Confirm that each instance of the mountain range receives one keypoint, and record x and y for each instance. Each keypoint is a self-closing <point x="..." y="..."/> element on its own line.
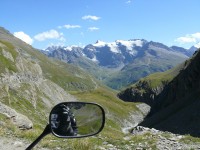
<point x="120" y="63"/>
<point x="32" y="83"/>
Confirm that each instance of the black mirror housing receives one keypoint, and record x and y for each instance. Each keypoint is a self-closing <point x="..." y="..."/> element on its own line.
<point x="73" y="120"/>
<point x="76" y="119"/>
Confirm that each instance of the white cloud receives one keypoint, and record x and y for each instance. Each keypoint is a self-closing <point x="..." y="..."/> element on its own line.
<point x="197" y="45"/>
<point x="196" y="35"/>
<point x="128" y="2"/>
<point x="189" y="38"/>
<point x="52" y="34"/>
<point x="90" y="17"/>
<point x="24" y="37"/>
<point x="67" y="26"/>
<point x="185" y="40"/>
<point x="93" y="28"/>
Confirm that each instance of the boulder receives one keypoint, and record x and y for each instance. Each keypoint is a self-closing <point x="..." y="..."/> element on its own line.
<point x="20" y="120"/>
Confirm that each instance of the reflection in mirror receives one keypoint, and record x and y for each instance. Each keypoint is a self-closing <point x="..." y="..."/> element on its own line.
<point x="76" y="119"/>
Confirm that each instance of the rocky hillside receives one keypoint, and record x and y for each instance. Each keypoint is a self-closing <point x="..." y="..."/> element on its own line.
<point x="121" y="63"/>
<point x="148" y="88"/>
<point x="174" y="100"/>
<point x="177" y="107"/>
<point x="31" y="83"/>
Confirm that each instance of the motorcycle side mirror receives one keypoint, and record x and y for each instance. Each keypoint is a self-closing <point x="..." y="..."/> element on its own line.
<point x="74" y="120"/>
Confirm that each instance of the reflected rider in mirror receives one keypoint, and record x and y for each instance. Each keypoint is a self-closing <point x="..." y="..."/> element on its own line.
<point x="64" y="122"/>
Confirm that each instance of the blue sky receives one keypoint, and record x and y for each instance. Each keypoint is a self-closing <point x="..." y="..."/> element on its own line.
<point x="42" y="23"/>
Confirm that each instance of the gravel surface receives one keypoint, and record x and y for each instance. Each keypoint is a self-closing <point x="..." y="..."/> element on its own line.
<point x="15" y="144"/>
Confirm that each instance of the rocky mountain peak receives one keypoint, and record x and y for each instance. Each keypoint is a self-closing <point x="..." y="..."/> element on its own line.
<point x="120" y="51"/>
<point x="127" y="56"/>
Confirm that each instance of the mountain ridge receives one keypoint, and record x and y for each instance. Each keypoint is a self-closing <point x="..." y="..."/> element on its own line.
<point x="122" y="62"/>
<point x="32" y="83"/>
<point x="126" y="48"/>
<point x="173" y="97"/>
<point x="185" y="99"/>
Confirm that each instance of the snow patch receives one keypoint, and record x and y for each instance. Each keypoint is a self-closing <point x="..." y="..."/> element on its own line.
<point x="131" y="44"/>
<point x="91" y="49"/>
<point x="70" y="48"/>
<point x="94" y="59"/>
<point x="113" y="47"/>
<point x="99" y="44"/>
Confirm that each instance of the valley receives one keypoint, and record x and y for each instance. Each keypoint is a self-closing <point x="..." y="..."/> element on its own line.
<point x="121" y="63"/>
<point x="31" y="83"/>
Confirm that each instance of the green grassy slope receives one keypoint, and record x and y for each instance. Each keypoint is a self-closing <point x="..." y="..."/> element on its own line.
<point x="29" y="97"/>
<point x="147" y="88"/>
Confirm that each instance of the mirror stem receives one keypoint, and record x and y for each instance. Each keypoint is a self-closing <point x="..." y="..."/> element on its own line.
<point x="46" y="131"/>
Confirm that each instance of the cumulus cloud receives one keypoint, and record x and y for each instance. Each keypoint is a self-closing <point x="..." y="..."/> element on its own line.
<point x="93" y="28"/>
<point x="90" y="17"/>
<point x="68" y="26"/>
<point x="189" y="38"/>
<point x="52" y="34"/>
<point x="185" y="40"/>
<point x="128" y="2"/>
<point x="24" y="37"/>
<point x="196" y="35"/>
<point x="197" y="45"/>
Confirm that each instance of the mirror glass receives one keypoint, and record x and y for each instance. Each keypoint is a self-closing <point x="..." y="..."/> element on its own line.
<point x="76" y="119"/>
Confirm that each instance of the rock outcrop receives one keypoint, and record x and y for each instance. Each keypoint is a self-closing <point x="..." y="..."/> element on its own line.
<point x="141" y="92"/>
<point x="25" y="91"/>
<point x="147" y="89"/>
<point x="18" y="119"/>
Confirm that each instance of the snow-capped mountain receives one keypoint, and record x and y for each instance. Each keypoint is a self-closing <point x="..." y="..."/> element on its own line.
<point x="118" y="53"/>
<point x="68" y="54"/>
<point x="133" y="59"/>
<point x="113" y="54"/>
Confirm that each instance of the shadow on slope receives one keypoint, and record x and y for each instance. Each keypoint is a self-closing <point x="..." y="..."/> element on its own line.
<point x="177" y="106"/>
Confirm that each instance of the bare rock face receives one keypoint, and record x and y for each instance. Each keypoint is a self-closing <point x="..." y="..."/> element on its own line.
<point x="23" y="85"/>
<point x="30" y="84"/>
<point x="18" y="119"/>
<point x="142" y="92"/>
<point x="7" y="55"/>
<point x="135" y="117"/>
